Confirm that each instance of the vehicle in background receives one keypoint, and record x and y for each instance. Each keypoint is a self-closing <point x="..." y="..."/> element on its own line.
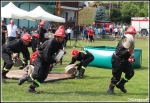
<point x="141" y="25"/>
<point x="101" y="24"/>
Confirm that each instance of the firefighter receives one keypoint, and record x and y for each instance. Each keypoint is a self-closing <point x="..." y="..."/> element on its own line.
<point x="84" y="57"/>
<point x="34" y="41"/>
<point x="120" y="61"/>
<point x="41" y="32"/>
<point x="43" y="60"/>
<point x="12" y="49"/>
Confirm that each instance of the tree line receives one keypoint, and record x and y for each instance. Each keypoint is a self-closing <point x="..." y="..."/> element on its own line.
<point x="128" y="9"/>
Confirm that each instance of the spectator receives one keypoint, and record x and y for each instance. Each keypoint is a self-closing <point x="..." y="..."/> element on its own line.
<point x="4" y="32"/>
<point x="12" y="31"/>
<point x="103" y="32"/>
<point x="24" y="31"/>
<point x="110" y="28"/>
<point x="68" y="32"/>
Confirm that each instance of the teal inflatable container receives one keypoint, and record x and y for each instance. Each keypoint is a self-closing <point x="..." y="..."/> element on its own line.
<point x="103" y="54"/>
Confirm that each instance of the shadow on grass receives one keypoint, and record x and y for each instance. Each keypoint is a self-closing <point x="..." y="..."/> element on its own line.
<point x="91" y="93"/>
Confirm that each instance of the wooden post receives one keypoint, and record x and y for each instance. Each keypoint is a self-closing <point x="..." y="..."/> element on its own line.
<point x="57" y="12"/>
<point x="77" y="15"/>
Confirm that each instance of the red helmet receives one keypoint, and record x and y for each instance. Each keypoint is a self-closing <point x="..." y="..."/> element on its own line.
<point x="26" y="37"/>
<point x="131" y="30"/>
<point x="36" y="35"/>
<point x="33" y="56"/>
<point x="42" y="23"/>
<point x="60" y="32"/>
<point x="61" y="27"/>
<point x="74" y="52"/>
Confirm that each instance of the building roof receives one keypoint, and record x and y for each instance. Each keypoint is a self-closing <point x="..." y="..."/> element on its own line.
<point x="82" y="4"/>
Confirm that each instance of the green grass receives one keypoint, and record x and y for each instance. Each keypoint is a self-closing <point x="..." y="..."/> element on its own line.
<point x="86" y="16"/>
<point x="91" y="88"/>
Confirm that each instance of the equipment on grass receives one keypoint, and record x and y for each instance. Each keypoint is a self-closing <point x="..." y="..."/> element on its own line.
<point x="17" y="62"/>
<point x="59" y="54"/>
<point x="70" y="70"/>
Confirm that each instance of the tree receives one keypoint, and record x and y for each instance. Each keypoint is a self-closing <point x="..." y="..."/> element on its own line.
<point x="100" y="14"/>
<point x="115" y="15"/>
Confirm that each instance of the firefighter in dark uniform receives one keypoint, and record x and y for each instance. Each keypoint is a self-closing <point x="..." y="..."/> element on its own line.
<point x="41" y="32"/>
<point x="120" y="61"/>
<point x="13" y="49"/>
<point x="34" y="40"/>
<point x="43" y="60"/>
<point x="84" y="57"/>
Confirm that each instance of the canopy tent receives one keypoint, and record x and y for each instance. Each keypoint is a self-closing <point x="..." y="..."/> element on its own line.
<point x="46" y="16"/>
<point x="12" y="11"/>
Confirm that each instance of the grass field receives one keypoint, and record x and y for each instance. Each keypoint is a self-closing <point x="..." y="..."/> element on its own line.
<point x="92" y="87"/>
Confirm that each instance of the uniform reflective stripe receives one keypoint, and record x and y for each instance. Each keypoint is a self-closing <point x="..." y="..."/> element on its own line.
<point x="83" y="67"/>
<point x="6" y="69"/>
<point x="37" y="82"/>
<point x="113" y="84"/>
<point x="125" y="79"/>
<point x="83" y="52"/>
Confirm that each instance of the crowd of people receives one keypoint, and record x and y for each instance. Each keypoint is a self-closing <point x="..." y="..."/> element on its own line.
<point x="91" y="32"/>
<point x="45" y="46"/>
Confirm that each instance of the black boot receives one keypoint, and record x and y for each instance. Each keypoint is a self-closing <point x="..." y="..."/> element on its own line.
<point x="120" y="85"/>
<point x="4" y="76"/>
<point x="111" y="89"/>
<point x="24" y="78"/>
<point x="80" y="74"/>
<point x="32" y="89"/>
<point x="3" y="79"/>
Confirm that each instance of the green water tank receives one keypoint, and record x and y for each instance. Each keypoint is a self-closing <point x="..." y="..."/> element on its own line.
<point x="103" y="54"/>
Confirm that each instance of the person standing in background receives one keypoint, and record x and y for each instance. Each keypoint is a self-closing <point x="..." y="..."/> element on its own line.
<point x="4" y="32"/>
<point x="12" y="31"/>
<point x="41" y="32"/>
<point x="69" y="32"/>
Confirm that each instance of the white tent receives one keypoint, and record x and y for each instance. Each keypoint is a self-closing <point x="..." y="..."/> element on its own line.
<point x="45" y="15"/>
<point x="12" y="11"/>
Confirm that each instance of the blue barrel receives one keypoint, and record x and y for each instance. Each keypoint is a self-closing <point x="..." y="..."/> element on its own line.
<point x="103" y="54"/>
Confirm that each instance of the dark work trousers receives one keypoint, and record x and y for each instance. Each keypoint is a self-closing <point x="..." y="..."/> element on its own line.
<point x="8" y="63"/>
<point x="118" y="67"/>
<point x="3" y="40"/>
<point x="41" y="70"/>
<point x="110" y="32"/>
<point x="69" y="36"/>
<point x="85" y="62"/>
<point x="34" y="45"/>
<point x="11" y="38"/>
<point x="91" y="38"/>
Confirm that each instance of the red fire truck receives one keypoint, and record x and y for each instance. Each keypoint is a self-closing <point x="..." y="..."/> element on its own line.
<point x="101" y="24"/>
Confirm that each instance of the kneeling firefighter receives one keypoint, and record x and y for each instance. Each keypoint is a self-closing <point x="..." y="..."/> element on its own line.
<point x="85" y="57"/>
